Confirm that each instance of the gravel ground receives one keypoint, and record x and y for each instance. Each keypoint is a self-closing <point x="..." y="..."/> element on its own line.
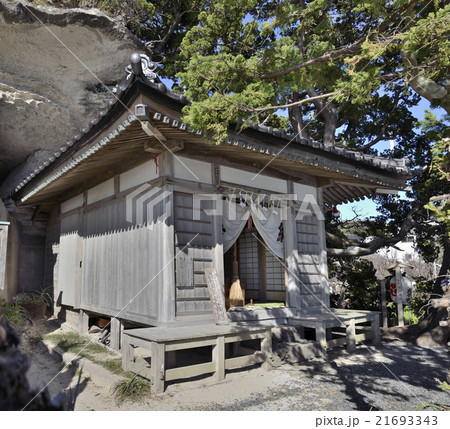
<point x="391" y="377"/>
<point x="388" y="378"/>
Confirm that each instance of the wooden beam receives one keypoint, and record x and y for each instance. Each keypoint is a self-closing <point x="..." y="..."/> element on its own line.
<point x="152" y="131"/>
<point x="189" y="371"/>
<point x="156" y="147"/>
<point x="351" y="336"/>
<point x="242" y="361"/>
<point x="218" y="354"/>
<point x="158" y="367"/>
<point x="262" y="271"/>
<point x="115" y="329"/>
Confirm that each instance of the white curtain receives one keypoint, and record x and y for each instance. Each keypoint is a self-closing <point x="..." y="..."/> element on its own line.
<point x="266" y="220"/>
<point x="234" y="219"/>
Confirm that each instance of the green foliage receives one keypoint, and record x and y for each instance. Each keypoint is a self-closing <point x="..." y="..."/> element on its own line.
<point x="393" y="313"/>
<point x="37" y="297"/>
<point x="83" y="347"/>
<point x="243" y="56"/>
<point x="13" y="312"/>
<point x="439" y="172"/>
<point x="132" y="389"/>
<point x="409" y="314"/>
<point x="359" y="283"/>
<point x="430" y="407"/>
<point x="445" y="386"/>
<point x="422" y="295"/>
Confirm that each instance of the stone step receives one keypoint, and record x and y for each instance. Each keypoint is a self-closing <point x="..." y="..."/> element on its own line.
<point x="287" y="334"/>
<point x="294" y="352"/>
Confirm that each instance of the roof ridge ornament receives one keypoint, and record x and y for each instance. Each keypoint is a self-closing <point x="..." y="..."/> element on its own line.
<point x="142" y="64"/>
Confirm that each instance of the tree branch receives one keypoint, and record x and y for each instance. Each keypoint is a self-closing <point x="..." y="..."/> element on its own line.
<point x="295" y="103"/>
<point x="357" y="248"/>
<point x="351" y="49"/>
<point x="383" y="129"/>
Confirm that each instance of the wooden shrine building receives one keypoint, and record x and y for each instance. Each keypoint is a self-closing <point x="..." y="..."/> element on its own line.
<point x="139" y="205"/>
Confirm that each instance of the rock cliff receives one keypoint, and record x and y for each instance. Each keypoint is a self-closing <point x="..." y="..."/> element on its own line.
<point x="57" y="68"/>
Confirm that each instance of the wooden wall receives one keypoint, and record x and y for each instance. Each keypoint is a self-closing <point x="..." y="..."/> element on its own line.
<point x="69" y="259"/>
<point x="194" y="251"/>
<point x="112" y="258"/>
<point x="310" y="269"/>
<point x="120" y="263"/>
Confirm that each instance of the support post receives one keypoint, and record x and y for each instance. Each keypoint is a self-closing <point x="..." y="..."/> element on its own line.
<point x="321" y="336"/>
<point x="350" y="332"/>
<point x="293" y="291"/>
<point x="127" y="353"/>
<point x="266" y="348"/>
<point x="375" y="329"/>
<point x="83" y="322"/>
<point x="115" y="328"/>
<point x="218" y="356"/>
<point x="383" y="303"/>
<point x="398" y="282"/>
<point x="262" y="272"/>
<point x="157" y="369"/>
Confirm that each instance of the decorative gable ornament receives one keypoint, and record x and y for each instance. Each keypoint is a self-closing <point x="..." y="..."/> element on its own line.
<point x="147" y="65"/>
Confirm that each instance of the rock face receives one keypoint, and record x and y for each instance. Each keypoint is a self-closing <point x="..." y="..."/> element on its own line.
<point x="54" y="65"/>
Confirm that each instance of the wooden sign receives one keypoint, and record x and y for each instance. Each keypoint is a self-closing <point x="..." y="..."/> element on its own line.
<point x="217" y="297"/>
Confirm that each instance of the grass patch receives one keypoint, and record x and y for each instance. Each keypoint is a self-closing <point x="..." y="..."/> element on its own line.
<point x="73" y="343"/>
<point x="14" y="312"/>
<point x="133" y="389"/>
<point x="114" y="366"/>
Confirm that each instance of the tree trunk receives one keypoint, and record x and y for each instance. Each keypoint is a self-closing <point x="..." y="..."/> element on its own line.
<point x="430" y="332"/>
<point x="440" y="313"/>
<point x="328" y="111"/>
<point x="296" y="118"/>
<point x="425" y="86"/>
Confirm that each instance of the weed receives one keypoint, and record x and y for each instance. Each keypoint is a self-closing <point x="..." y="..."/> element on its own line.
<point x="13" y="312"/>
<point x="36" y="297"/>
<point x="428" y="407"/>
<point x="133" y="389"/>
<point x="444" y="386"/>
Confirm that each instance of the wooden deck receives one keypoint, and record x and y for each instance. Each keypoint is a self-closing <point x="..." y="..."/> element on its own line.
<point x="354" y="321"/>
<point x="162" y="339"/>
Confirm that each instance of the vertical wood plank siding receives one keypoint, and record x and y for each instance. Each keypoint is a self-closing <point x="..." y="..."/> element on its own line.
<point x="193" y="253"/>
<point x="120" y="261"/>
<point x="51" y="238"/>
<point x="68" y="259"/>
<point x="310" y="274"/>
